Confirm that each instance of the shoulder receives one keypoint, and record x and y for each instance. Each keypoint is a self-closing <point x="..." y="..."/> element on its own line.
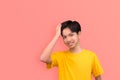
<point x="59" y="53"/>
<point x="90" y="52"/>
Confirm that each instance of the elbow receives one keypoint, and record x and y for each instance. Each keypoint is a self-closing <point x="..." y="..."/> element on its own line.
<point x="45" y="60"/>
<point x="42" y="59"/>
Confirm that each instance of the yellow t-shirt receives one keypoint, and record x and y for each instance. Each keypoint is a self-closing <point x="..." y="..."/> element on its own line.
<point x="76" y="66"/>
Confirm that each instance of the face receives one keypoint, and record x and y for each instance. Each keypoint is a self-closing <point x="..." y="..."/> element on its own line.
<point x="71" y="39"/>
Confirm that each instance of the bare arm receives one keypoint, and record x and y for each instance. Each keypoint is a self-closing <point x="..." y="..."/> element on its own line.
<point x="98" y="78"/>
<point x="45" y="56"/>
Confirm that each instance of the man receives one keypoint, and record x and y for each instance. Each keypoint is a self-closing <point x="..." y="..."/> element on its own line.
<point x="76" y="63"/>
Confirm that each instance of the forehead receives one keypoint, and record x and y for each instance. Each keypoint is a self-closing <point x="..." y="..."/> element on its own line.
<point x="67" y="31"/>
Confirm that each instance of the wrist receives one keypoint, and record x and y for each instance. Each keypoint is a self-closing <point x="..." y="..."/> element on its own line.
<point x="57" y="36"/>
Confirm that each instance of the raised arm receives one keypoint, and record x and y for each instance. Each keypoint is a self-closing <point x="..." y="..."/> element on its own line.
<point x="45" y="56"/>
<point x="98" y="78"/>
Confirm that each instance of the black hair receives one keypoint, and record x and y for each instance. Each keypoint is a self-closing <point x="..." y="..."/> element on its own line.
<point x="74" y="26"/>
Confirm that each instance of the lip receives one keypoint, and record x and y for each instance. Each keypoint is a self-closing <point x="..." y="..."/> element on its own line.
<point x="70" y="44"/>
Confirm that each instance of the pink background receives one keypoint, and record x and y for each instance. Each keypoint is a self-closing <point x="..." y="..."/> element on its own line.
<point x="27" y="26"/>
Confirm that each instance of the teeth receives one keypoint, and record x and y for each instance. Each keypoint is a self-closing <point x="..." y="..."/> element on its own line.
<point x="70" y="43"/>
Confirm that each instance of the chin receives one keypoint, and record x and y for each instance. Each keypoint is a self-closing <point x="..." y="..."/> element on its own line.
<point x="71" y="47"/>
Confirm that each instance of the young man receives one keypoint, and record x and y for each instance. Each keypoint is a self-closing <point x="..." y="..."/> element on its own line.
<point x="76" y="63"/>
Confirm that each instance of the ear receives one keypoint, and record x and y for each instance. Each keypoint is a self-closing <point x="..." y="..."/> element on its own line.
<point x="79" y="33"/>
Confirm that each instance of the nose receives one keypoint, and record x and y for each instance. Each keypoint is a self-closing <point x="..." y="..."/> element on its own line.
<point x="68" y="39"/>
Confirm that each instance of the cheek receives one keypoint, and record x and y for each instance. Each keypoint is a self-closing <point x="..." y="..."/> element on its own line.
<point x="64" y="40"/>
<point x="76" y="38"/>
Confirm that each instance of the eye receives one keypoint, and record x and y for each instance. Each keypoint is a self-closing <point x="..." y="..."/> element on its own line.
<point x="71" y="34"/>
<point x="64" y="37"/>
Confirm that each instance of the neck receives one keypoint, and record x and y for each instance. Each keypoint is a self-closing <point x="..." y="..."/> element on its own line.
<point x="76" y="49"/>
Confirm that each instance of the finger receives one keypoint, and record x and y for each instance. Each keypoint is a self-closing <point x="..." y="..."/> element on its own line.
<point x="58" y="26"/>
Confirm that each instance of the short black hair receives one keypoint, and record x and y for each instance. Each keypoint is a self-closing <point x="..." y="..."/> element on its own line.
<point x="74" y="26"/>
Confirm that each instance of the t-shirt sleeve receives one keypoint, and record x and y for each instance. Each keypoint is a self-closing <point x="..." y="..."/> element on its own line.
<point x="54" y="61"/>
<point x="96" y="67"/>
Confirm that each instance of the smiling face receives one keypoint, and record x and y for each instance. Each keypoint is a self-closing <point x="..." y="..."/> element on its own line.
<point x="71" y="39"/>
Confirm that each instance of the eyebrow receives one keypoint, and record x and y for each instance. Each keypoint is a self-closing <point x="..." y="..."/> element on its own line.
<point x="68" y="34"/>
